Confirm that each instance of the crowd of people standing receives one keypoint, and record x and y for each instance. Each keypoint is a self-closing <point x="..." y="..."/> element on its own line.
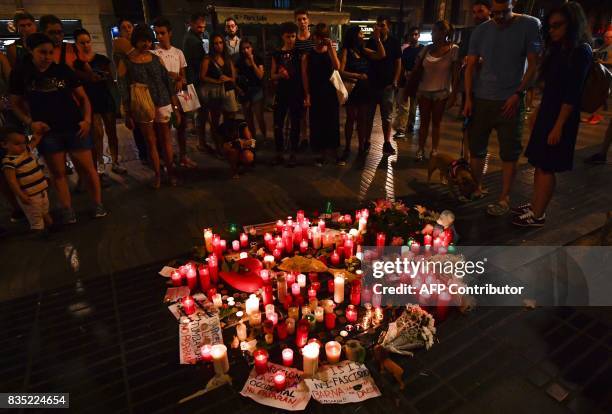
<point x="67" y="98"/>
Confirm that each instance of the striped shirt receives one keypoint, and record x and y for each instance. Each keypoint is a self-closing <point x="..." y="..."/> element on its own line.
<point x="28" y="171"/>
<point x="304" y="46"/>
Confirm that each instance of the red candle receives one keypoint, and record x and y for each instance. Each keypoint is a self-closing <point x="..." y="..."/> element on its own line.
<point x="330" y="321"/>
<point x="205" y="353"/>
<point x="427" y="240"/>
<point x="300" y="216"/>
<point x="244" y="240"/>
<point x="268" y="239"/>
<point x="266" y="295"/>
<point x="192" y="278"/>
<point x="188" y="305"/>
<point x="223" y="245"/>
<point x="277" y="254"/>
<point x="348" y="248"/>
<point x="299" y="300"/>
<point x="290" y="278"/>
<point x="288" y="241"/>
<point x="280" y="381"/>
<point x="261" y="361"/>
<point x="444" y="299"/>
<point x="213" y="268"/>
<point x="211" y="292"/>
<point x="297" y="235"/>
<point x="295" y="289"/>
<point x="316" y="285"/>
<point x="312" y="293"/>
<point x="380" y="239"/>
<point x="351" y="313"/>
<point x="177" y="279"/>
<point x="204" y="277"/>
<point x="335" y="258"/>
<point x="183" y="271"/>
<point x="356" y="294"/>
<point x="301" y="334"/>
<point x="303" y="246"/>
<point x="281" y="330"/>
<point x="235" y="245"/>
<point x="287" y="357"/>
<point x="288" y="301"/>
<point x="313" y="277"/>
<point x="279" y="226"/>
<point x="322" y="226"/>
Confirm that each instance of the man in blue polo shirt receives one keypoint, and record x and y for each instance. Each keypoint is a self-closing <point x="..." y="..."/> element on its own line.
<point x="495" y="85"/>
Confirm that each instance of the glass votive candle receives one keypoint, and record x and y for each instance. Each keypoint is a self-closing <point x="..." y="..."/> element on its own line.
<point x="295" y="289"/>
<point x="319" y="313"/>
<point x="333" y="350"/>
<point x="294" y="312"/>
<point x="281" y="330"/>
<point x="305" y="310"/>
<point x="261" y="361"/>
<point x="205" y="352"/>
<point x="287" y="355"/>
<point x="301" y="280"/>
<point x="290" y="278"/>
<point x="313" y="303"/>
<point x="189" y="305"/>
<point x="255" y="318"/>
<point x="219" y="358"/>
<point x="235" y="245"/>
<point x="351" y="313"/>
<point x="280" y="382"/>
<point x="268" y="326"/>
<point x="290" y="323"/>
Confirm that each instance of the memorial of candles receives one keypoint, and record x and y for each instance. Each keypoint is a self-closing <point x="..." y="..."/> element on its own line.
<point x="261" y="361"/>
<point x="280" y="381"/>
<point x="287" y="355"/>
<point x="333" y="350"/>
<point x="310" y="353"/>
<point x="219" y="359"/>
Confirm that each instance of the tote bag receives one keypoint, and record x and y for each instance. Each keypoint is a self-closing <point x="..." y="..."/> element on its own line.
<point x="142" y="107"/>
<point x="341" y="91"/>
<point x="188" y="99"/>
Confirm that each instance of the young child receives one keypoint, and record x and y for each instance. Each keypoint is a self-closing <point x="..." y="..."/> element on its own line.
<point x="286" y="72"/>
<point x="238" y="144"/>
<point x="25" y="177"/>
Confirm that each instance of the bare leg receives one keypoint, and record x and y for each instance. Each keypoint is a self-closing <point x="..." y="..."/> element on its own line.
<point x="56" y="162"/>
<point x="258" y="110"/>
<point x="149" y="134"/>
<point x="508" y="174"/>
<point x="110" y="125"/>
<point x="232" y="155"/>
<point x="98" y="140"/>
<point x="181" y="137"/>
<point x="83" y="161"/>
<point x="351" y="117"/>
<point x="426" y="108"/>
<point x="543" y="189"/>
<point x="436" y="118"/>
<point x="164" y="140"/>
<point x="215" y="117"/>
<point x="203" y="116"/>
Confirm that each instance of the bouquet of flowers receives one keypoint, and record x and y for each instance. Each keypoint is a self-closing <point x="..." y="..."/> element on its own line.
<point x="413" y="329"/>
<point x="398" y="221"/>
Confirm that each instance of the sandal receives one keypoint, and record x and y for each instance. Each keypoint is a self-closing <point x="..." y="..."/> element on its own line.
<point x="498" y="208"/>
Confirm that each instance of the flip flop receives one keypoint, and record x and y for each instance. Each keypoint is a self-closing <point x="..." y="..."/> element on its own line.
<point x="498" y="208"/>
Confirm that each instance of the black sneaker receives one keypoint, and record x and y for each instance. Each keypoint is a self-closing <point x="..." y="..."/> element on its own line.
<point x="596" y="159"/>
<point x="17" y="216"/>
<point x="527" y="219"/>
<point x="68" y="216"/>
<point x="518" y="210"/>
<point x="388" y="149"/>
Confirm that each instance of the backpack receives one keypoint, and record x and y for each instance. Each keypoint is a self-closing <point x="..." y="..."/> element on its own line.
<point x="597" y="88"/>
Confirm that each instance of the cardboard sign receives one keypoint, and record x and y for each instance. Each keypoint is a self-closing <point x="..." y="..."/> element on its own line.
<point x="201" y="329"/>
<point x="342" y="383"/>
<point x="260" y="388"/>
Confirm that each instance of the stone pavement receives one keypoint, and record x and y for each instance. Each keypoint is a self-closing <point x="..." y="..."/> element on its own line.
<point x="146" y="226"/>
<point x="111" y="343"/>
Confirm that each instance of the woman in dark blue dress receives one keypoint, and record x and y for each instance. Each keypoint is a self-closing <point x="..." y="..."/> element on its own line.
<point x="567" y="59"/>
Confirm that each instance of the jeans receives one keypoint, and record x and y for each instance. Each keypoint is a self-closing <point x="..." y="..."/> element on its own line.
<point x="405" y="112"/>
<point x="294" y="108"/>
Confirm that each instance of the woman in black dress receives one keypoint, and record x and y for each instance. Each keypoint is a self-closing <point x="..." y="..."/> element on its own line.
<point x="354" y="64"/>
<point x="320" y="95"/>
<point x="567" y="59"/>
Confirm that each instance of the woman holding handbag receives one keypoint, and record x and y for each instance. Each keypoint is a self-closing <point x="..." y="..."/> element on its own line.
<point x="436" y="71"/>
<point x="218" y="75"/>
<point x="354" y="70"/>
<point x="320" y="94"/>
<point x="150" y="100"/>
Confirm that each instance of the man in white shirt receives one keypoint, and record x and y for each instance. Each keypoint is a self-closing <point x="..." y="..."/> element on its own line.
<point x="175" y="63"/>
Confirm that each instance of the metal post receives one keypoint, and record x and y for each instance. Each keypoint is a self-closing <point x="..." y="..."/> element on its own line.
<point x="145" y="11"/>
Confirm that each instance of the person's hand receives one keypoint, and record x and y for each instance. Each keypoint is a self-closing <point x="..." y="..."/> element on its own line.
<point x="363" y="76"/>
<point x="327" y="42"/>
<point x="554" y="137"/>
<point x="467" y="108"/>
<point x="129" y="122"/>
<point x="84" y="127"/>
<point x="25" y="199"/>
<point x="307" y="101"/>
<point x="248" y="53"/>
<point x="282" y="72"/>
<point x="510" y="106"/>
<point x="39" y="128"/>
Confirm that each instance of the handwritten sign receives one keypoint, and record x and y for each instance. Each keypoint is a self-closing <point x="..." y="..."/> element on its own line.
<point x="342" y="383"/>
<point x="201" y="329"/>
<point x="260" y="388"/>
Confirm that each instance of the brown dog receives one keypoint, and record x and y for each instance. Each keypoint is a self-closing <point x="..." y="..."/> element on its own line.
<point x="456" y="173"/>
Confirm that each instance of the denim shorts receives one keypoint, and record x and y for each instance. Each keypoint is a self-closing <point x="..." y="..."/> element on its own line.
<point x="434" y="95"/>
<point x="64" y="142"/>
<point x="385" y="97"/>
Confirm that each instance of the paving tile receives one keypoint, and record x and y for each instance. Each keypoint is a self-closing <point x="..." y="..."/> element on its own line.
<point x="439" y="398"/>
<point x="538" y="377"/>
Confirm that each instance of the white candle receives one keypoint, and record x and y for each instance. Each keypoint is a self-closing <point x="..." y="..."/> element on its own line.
<point x="236" y="245"/>
<point x="241" y="331"/>
<point x="310" y="352"/>
<point x="255" y="318"/>
<point x="220" y="361"/>
<point x="268" y="261"/>
<point x="301" y="279"/>
<point x="217" y="302"/>
<point x="208" y="236"/>
<point x="295" y="289"/>
<point x="316" y="238"/>
<point x="319" y="313"/>
<point x="339" y="289"/>
<point x="332" y="351"/>
<point x="252" y="304"/>
<point x="305" y="310"/>
<point x="290" y="323"/>
<point x="287" y="357"/>
<point x="273" y="317"/>
<point x="363" y="222"/>
<point x="243" y="255"/>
